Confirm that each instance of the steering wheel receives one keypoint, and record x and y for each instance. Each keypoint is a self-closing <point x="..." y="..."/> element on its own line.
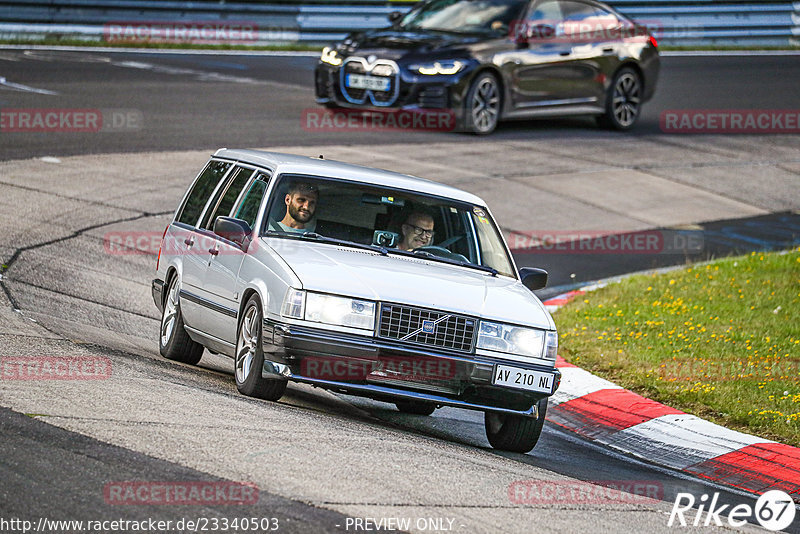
<point x="441" y="252"/>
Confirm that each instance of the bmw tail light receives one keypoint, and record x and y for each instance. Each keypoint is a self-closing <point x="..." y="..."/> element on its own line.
<point x="653" y="42"/>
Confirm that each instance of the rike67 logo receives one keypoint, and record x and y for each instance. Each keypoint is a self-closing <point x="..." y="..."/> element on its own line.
<point x="774" y="510"/>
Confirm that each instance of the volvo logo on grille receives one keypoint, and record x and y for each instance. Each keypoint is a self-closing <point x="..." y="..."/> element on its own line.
<point x="428" y="327"/>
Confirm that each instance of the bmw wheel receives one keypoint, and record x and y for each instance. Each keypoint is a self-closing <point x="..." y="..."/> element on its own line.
<point x="623" y="100"/>
<point x="249" y="359"/>
<point x="173" y="341"/>
<point x="515" y="433"/>
<point x="482" y="107"/>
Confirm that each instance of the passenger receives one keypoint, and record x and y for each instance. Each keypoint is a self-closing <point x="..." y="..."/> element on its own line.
<point x="416" y="232"/>
<point x="301" y="205"/>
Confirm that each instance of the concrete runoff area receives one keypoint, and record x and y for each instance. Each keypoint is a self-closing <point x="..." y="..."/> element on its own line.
<point x="349" y="456"/>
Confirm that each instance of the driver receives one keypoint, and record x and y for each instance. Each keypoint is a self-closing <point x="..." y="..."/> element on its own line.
<point x="301" y="204"/>
<point x="417" y="231"/>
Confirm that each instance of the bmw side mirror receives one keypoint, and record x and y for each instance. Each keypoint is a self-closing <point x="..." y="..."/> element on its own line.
<point x="533" y="278"/>
<point x="395" y="16"/>
<point x="234" y="230"/>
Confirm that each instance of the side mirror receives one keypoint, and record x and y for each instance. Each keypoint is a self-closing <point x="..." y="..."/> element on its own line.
<point x="234" y="230"/>
<point x="525" y="34"/>
<point x="533" y="278"/>
<point x="395" y="16"/>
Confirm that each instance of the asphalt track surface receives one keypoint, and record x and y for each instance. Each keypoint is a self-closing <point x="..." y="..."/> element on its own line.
<point x="316" y="458"/>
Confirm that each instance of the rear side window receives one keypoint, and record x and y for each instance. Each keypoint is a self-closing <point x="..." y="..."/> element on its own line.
<point x="202" y="189"/>
<point x="226" y="196"/>
<point x="248" y="207"/>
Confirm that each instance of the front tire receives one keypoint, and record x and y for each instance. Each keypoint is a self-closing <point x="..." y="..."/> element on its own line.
<point x="173" y="341"/>
<point x="515" y="433"/>
<point x="249" y="359"/>
<point x="482" y="105"/>
<point x="623" y="101"/>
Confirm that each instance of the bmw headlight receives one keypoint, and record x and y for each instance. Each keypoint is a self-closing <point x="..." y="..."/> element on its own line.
<point x="330" y="56"/>
<point x="442" y="67"/>
<point x="329" y="309"/>
<point x="517" y="340"/>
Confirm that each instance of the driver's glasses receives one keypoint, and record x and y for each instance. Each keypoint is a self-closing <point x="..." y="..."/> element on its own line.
<point x="421" y="231"/>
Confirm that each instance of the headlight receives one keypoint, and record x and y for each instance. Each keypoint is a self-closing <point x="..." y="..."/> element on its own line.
<point x="329" y="309"/>
<point x="513" y="339"/>
<point x="330" y="56"/>
<point x="438" y="67"/>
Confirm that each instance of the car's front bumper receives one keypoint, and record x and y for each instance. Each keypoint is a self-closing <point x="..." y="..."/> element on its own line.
<point x="389" y="371"/>
<point x="413" y="91"/>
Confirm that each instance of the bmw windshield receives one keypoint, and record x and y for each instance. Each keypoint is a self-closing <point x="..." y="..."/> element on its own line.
<point x="464" y="15"/>
<point x="387" y="220"/>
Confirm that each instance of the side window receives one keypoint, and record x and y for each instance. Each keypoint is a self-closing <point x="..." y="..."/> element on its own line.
<point x="226" y="196"/>
<point x="587" y="17"/>
<point x="248" y="207"/>
<point x="548" y="12"/>
<point x="202" y="189"/>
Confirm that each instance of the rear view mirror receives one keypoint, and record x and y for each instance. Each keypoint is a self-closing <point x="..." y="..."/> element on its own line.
<point x="234" y="230"/>
<point x="533" y="278"/>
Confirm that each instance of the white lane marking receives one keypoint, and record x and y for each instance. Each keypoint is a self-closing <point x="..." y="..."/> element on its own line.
<point x="733" y="53"/>
<point x="26" y="88"/>
<point x="679" y="440"/>
<point x="165" y="51"/>
<point x="576" y="382"/>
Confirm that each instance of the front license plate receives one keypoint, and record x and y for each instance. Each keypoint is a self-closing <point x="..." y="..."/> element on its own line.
<point x="514" y="377"/>
<point x="360" y="81"/>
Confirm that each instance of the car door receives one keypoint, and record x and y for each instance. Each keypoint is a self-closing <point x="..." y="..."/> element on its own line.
<point x="206" y="248"/>
<point x="222" y="282"/>
<point x="188" y="239"/>
<point x="546" y="70"/>
<point x="596" y="35"/>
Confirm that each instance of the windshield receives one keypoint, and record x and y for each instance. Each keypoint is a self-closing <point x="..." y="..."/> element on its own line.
<point x="387" y="220"/>
<point x="464" y="15"/>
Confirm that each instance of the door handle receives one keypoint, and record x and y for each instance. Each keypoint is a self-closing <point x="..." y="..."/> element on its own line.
<point x="189" y="242"/>
<point x="565" y="53"/>
<point x="213" y="251"/>
<point x="608" y="50"/>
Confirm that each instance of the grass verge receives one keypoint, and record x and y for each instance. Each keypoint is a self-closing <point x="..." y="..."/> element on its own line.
<point x="718" y="340"/>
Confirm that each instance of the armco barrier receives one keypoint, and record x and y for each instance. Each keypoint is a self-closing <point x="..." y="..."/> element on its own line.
<point x="674" y="22"/>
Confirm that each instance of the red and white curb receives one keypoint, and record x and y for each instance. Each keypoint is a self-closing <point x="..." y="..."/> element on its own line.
<point x="602" y="411"/>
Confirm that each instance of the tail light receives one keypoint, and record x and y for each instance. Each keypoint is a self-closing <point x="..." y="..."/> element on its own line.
<point x="160" y="246"/>
<point x="653" y="42"/>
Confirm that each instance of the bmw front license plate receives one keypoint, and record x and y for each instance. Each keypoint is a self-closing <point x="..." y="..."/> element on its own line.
<point x="523" y="379"/>
<point x="360" y="81"/>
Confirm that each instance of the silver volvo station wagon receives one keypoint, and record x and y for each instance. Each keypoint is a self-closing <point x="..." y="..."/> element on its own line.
<point x="360" y="281"/>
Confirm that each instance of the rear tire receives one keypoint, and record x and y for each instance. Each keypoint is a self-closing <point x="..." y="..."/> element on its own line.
<point x="415" y="407"/>
<point x="173" y="341"/>
<point x="249" y="358"/>
<point x="515" y="433"/>
<point x="623" y="101"/>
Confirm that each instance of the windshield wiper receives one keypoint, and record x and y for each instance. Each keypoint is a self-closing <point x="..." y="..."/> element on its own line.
<point x="430" y="256"/>
<point x="325" y="239"/>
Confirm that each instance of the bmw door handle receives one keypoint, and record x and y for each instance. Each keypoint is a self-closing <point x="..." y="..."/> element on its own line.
<point x="607" y="51"/>
<point x="565" y="53"/>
